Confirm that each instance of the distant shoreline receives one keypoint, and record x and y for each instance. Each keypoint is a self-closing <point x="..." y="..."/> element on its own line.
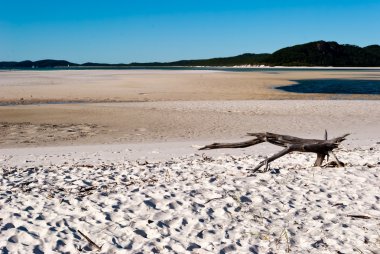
<point x="216" y="68"/>
<point x="312" y="54"/>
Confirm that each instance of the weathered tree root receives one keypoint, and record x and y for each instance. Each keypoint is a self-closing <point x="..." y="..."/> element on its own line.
<point x="323" y="148"/>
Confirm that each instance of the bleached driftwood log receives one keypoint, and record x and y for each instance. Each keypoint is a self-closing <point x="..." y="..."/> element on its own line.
<point x="323" y="148"/>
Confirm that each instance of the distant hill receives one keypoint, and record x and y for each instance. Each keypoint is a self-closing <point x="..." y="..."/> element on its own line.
<point x="48" y="63"/>
<point x="373" y="49"/>
<point x="244" y="59"/>
<point x="321" y="53"/>
<point x="318" y="53"/>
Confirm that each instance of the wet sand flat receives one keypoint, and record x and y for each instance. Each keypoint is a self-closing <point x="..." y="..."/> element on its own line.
<point x="136" y="122"/>
<point x="25" y="87"/>
<point x="132" y="106"/>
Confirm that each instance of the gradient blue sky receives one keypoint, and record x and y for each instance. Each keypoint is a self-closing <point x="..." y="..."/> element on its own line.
<point x="116" y="31"/>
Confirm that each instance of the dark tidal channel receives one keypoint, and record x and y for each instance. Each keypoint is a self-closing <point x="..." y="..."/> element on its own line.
<point x="333" y="86"/>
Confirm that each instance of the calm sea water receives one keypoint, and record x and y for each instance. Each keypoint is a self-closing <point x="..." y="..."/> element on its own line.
<point x="334" y="86"/>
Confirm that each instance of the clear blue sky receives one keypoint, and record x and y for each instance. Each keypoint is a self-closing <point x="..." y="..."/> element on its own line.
<point x="116" y="31"/>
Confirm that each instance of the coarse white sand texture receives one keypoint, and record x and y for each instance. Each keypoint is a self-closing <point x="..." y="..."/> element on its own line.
<point x="193" y="204"/>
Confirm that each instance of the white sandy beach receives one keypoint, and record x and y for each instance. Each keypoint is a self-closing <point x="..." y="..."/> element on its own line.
<point x="196" y="203"/>
<point x="128" y="175"/>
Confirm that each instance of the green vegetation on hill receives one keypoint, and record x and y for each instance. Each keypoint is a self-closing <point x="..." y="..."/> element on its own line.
<point x="321" y="53"/>
<point x="318" y="53"/>
<point x="48" y="63"/>
<point x="245" y="59"/>
<point x="373" y="49"/>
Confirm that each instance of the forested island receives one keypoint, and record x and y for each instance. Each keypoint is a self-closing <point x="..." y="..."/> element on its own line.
<point x="318" y="53"/>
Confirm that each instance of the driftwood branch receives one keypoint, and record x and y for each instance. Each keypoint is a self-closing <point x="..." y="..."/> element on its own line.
<point x="92" y="243"/>
<point x="323" y="148"/>
<point x="359" y="216"/>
